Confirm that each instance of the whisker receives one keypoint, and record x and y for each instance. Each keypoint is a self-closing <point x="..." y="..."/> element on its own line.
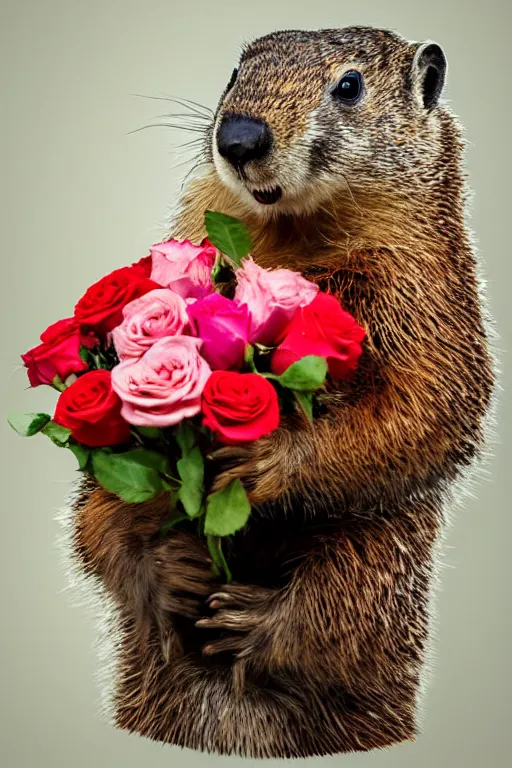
<point x="191" y="104"/>
<point x="190" y="129"/>
<point x="188" y="115"/>
<point x="197" y="119"/>
<point x="191" y="143"/>
<point x="187" y="124"/>
<point x="302" y="144"/>
<point x="199" y="109"/>
<point x="186" y="162"/>
<point x="183" y="121"/>
<point x="356" y="206"/>
<point x="182" y="150"/>
<point x="197" y="165"/>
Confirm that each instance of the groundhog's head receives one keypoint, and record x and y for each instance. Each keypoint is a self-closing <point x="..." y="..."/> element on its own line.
<point x="307" y="114"/>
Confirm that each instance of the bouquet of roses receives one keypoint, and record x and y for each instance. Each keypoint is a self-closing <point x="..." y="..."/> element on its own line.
<point x="192" y="347"/>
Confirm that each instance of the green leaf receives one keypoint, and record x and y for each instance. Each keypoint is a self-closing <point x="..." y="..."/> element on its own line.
<point x="227" y="510"/>
<point x="229" y="235"/>
<point x="173" y="504"/>
<point x="170" y="524"/>
<point x="85" y="355"/>
<point x="185" y="437"/>
<point x="175" y="517"/>
<point x="134" y="476"/>
<point x="82" y="454"/>
<point x="306" y="374"/>
<point x="191" y="471"/>
<point x="28" y="424"/>
<point x="148" y="458"/>
<point x="151" y="433"/>
<point x="57" y="434"/>
<point x="305" y="403"/>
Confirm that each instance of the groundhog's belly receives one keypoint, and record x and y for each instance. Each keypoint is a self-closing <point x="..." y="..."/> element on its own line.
<point x="188" y="701"/>
<point x="261" y="555"/>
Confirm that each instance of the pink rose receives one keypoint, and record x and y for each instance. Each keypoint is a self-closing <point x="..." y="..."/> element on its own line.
<point x="155" y="315"/>
<point x="164" y="386"/>
<point x="184" y="267"/>
<point x="272" y="298"/>
<point x="223" y="326"/>
<point x="57" y="355"/>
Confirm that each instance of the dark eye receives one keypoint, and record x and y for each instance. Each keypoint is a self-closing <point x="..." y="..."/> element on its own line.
<point x="232" y="80"/>
<point x="349" y="88"/>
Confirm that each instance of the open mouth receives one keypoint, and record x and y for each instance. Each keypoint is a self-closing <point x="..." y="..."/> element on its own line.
<point x="267" y="196"/>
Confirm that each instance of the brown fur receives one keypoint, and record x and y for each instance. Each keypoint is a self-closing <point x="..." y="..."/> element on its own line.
<point x="319" y="646"/>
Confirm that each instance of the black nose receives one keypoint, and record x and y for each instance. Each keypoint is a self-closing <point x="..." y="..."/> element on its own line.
<point x="241" y="139"/>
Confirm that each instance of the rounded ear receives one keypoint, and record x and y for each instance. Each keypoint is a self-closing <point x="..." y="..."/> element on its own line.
<point x="428" y="73"/>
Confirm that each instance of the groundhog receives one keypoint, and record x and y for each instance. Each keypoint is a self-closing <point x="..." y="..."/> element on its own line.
<point x="335" y="150"/>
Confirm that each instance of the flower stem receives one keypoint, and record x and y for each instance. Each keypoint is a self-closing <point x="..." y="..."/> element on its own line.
<point x="229" y="575"/>
<point x="219" y="561"/>
<point x="212" y="549"/>
<point x="58" y="384"/>
<point x="171" y="479"/>
<point x="137" y="437"/>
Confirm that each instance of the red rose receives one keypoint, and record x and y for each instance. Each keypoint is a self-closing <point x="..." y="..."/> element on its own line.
<point x="102" y="304"/>
<point x="239" y="407"/>
<point x="58" y="355"/>
<point x="145" y="264"/>
<point x="88" y="338"/>
<point x="322" y="328"/>
<point x="92" y="411"/>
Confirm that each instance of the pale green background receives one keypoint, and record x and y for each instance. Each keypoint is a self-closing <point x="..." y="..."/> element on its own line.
<point x="81" y="197"/>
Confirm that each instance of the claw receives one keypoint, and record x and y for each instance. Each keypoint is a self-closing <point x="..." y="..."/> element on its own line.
<point x="217" y="599"/>
<point x="205" y="623"/>
<point x="221" y="646"/>
<point x="227" y="621"/>
<point x="230" y="453"/>
<point x="238" y="596"/>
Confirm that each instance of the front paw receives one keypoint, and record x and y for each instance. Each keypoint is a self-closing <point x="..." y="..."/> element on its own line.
<point x="262" y="466"/>
<point x="183" y="573"/>
<point x="242" y="616"/>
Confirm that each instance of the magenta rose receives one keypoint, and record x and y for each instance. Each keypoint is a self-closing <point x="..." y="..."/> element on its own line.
<point x="57" y="355"/>
<point x="164" y="386"/>
<point x="155" y="315"/>
<point x="183" y="267"/>
<point x="272" y="298"/>
<point x="223" y="326"/>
